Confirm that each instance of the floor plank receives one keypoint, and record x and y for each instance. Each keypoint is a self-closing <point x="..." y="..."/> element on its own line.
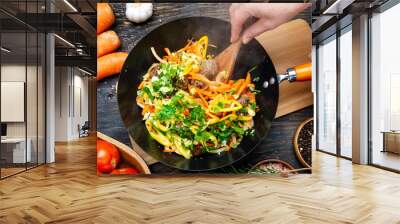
<point x="386" y="159"/>
<point x="69" y="191"/>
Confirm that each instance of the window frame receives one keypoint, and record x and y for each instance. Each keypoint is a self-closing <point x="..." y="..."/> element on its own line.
<point x="378" y="10"/>
<point x="29" y="29"/>
<point x="339" y="32"/>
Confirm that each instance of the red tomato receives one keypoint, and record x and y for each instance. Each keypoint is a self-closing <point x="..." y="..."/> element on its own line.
<point x="125" y="171"/>
<point x="107" y="156"/>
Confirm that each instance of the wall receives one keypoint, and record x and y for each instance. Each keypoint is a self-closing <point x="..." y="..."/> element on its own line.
<point x="71" y="102"/>
<point x="61" y="103"/>
<point x="80" y="109"/>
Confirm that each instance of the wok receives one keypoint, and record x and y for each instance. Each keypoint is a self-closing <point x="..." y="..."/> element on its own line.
<point x="174" y="35"/>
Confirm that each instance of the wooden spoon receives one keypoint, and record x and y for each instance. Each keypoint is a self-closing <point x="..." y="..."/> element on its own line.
<point x="226" y="61"/>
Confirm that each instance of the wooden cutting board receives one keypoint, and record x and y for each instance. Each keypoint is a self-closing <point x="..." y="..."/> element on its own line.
<point x="289" y="45"/>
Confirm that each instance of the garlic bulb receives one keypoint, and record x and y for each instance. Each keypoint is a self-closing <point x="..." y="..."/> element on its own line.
<point x="139" y="12"/>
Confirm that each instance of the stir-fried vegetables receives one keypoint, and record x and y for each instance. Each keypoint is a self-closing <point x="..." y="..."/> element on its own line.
<point x="190" y="114"/>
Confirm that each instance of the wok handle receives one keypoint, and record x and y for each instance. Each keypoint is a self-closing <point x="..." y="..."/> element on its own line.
<point x="303" y="72"/>
<point x="298" y="73"/>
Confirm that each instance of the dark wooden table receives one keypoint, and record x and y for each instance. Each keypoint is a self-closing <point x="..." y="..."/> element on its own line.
<point x="278" y="144"/>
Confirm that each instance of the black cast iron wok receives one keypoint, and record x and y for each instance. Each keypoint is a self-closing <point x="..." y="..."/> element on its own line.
<point x="174" y="35"/>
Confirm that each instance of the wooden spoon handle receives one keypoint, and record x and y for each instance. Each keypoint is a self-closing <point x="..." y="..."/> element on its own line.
<point x="226" y="61"/>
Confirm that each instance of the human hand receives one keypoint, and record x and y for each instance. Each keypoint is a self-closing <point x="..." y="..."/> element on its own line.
<point x="269" y="16"/>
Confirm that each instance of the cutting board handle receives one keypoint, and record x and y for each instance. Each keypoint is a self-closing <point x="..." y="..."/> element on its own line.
<point x="289" y="45"/>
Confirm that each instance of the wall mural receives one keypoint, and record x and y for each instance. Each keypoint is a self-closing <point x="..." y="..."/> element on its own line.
<point x="174" y="96"/>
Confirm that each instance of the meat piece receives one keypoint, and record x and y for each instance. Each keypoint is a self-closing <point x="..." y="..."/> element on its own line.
<point x="182" y="84"/>
<point x="197" y="150"/>
<point x="246" y="97"/>
<point x="249" y="124"/>
<point x="209" y="69"/>
<point x="221" y="76"/>
<point x="243" y="99"/>
<point x="197" y="84"/>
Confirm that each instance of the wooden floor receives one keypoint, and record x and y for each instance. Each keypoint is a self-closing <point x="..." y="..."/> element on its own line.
<point x="5" y="172"/>
<point x="387" y="159"/>
<point x="70" y="192"/>
<point x="10" y="171"/>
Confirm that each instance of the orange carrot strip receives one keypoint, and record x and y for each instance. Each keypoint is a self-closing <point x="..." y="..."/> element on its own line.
<point x="167" y="51"/>
<point x="200" y="102"/>
<point x="244" y="85"/>
<point x="169" y="150"/>
<point x="141" y="85"/>
<point x="211" y="115"/>
<point x="185" y="47"/>
<point x="145" y="109"/>
<point x="204" y="100"/>
<point x="237" y="84"/>
<point x="221" y="88"/>
<point x="209" y="94"/>
<point x="227" y="116"/>
<point x="200" y="78"/>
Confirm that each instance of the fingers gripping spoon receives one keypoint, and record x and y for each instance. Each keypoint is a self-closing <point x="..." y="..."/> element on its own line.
<point x="225" y="61"/>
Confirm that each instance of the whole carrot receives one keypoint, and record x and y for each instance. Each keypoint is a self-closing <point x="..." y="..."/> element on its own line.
<point x="110" y="64"/>
<point x="107" y="42"/>
<point x="105" y="17"/>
